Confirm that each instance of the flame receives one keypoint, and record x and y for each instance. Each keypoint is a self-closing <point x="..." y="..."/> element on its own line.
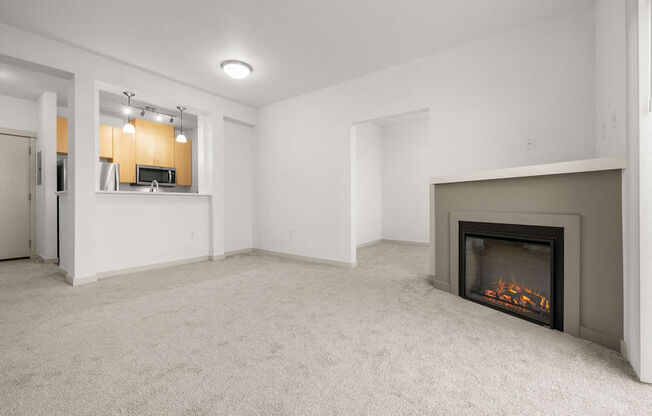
<point x="518" y="297"/>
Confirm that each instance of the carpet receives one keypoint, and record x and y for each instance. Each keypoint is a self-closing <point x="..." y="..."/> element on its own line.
<point x="259" y="335"/>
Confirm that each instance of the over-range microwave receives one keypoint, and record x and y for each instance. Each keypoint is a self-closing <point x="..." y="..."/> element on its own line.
<point x="164" y="176"/>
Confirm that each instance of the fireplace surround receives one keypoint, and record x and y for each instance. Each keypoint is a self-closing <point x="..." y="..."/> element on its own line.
<point x="583" y="197"/>
<point x="570" y="224"/>
<point x="516" y="269"/>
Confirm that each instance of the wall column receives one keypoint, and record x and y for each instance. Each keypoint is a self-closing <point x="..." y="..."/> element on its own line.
<point x="82" y="167"/>
<point x="46" y="200"/>
<point x="215" y="148"/>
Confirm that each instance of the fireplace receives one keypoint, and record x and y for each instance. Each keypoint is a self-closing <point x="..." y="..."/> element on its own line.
<point x="517" y="269"/>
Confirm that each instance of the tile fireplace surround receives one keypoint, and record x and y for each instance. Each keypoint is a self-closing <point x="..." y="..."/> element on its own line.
<point x="582" y="197"/>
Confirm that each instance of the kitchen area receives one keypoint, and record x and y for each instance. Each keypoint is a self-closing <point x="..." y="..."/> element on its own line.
<point x="142" y="147"/>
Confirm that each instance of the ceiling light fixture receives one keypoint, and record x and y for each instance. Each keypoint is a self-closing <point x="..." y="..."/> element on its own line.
<point x="181" y="138"/>
<point x="128" y="127"/>
<point x="236" y="69"/>
<point x="171" y="120"/>
<point x="142" y="113"/>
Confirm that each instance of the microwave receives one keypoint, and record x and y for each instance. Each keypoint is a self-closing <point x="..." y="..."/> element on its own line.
<point x="164" y="176"/>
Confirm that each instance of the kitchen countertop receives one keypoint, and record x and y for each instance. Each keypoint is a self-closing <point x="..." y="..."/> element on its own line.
<point x="158" y="194"/>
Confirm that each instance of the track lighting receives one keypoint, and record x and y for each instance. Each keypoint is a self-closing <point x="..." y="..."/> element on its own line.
<point x="128" y="127"/>
<point x="181" y="138"/>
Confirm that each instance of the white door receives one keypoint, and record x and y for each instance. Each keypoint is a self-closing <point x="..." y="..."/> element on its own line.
<point x="14" y="197"/>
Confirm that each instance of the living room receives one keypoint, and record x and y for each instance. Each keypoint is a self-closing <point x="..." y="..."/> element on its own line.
<point x="299" y="209"/>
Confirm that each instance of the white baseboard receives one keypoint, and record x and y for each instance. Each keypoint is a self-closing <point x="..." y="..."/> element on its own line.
<point x="305" y="258"/>
<point x="236" y="252"/>
<point x="78" y="281"/>
<point x="410" y="243"/>
<point x="38" y="257"/>
<point x="154" y="266"/>
<point x="368" y="243"/>
<point x="216" y="257"/>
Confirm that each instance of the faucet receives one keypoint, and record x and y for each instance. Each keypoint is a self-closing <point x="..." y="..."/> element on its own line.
<point x="151" y="186"/>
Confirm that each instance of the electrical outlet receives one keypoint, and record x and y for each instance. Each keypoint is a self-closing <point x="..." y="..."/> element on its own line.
<point x="530" y="145"/>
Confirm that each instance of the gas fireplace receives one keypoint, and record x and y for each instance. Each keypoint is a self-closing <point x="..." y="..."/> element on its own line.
<point x="517" y="269"/>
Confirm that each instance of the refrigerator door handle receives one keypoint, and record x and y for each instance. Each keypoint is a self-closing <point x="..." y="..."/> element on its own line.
<point x="117" y="177"/>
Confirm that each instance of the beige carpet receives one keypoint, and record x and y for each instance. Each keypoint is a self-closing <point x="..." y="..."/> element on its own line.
<point x="256" y="335"/>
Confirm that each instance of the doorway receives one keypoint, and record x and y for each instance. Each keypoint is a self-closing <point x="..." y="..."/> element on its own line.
<point x="389" y="180"/>
<point x="16" y="202"/>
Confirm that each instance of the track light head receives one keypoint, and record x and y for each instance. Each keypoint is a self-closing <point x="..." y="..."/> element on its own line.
<point x="142" y="113"/>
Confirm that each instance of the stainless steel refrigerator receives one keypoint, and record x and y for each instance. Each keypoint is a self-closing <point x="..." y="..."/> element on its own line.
<point x="109" y="176"/>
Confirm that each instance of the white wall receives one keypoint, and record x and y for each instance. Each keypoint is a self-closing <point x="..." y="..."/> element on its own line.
<point x="46" y="200"/>
<point x="18" y="114"/>
<point x="610" y="78"/>
<point x="405" y="178"/>
<point x="486" y="99"/>
<point x="137" y="230"/>
<point x="238" y="186"/>
<point x="367" y="179"/>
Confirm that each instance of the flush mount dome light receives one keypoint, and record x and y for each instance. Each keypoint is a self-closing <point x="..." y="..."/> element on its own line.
<point x="236" y="69"/>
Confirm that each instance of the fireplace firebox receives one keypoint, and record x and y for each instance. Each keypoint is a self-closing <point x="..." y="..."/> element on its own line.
<point x="517" y="269"/>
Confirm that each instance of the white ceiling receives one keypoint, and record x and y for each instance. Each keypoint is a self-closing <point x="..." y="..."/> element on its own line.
<point x="295" y="46"/>
<point x="16" y="81"/>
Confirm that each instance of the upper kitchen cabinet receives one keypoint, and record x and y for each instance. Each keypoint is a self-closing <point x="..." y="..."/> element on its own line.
<point x="106" y="141"/>
<point x="124" y="153"/>
<point x="62" y="135"/>
<point x="154" y="143"/>
<point x="165" y="150"/>
<point x="183" y="162"/>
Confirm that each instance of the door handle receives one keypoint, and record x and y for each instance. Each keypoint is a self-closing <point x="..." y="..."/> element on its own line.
<point x="170" y="177"/>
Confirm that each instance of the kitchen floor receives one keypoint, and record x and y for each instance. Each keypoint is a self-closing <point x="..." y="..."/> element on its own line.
<point x="256" y="335"/>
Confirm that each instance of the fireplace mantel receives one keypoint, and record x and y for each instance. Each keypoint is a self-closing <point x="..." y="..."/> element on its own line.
<point x="575" y="166"/>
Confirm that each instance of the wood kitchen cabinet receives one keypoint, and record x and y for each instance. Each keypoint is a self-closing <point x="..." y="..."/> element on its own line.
<point x="183" y="162"/>
<point x="124" y="153"/>
<point x="165" y="150"/>
<point x="154" y="143"/>
<point x="106" y="141"/>
<point x="62" y="135"/>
